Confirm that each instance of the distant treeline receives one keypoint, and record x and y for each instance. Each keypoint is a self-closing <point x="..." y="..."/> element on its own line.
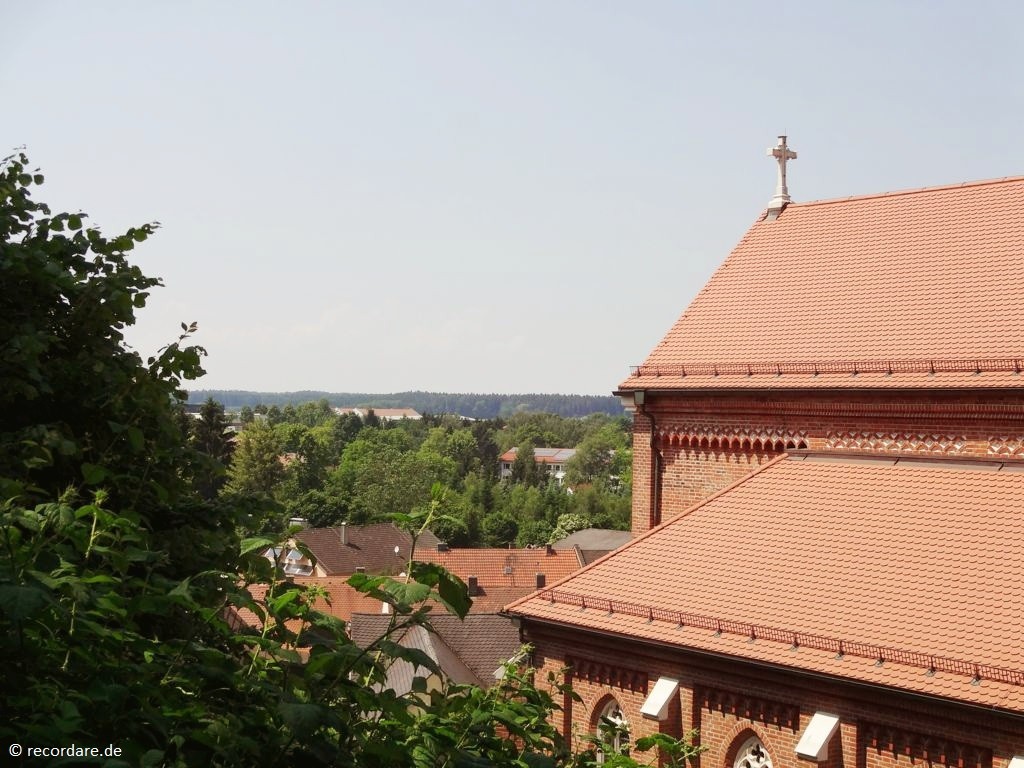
<point x="476" y="406"/>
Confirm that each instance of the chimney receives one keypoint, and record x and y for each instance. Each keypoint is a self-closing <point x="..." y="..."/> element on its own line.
<point x="442" y="546"/>
<point x="473" y="589"/>
<point x="541" y="581"/>
<point x="782" y="153"/>
<point x="344" y="534"/>
<point x="549" y="549"/>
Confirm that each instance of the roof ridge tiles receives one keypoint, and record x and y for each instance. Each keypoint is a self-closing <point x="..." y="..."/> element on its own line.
<point x="932" y="365"/>
<point x="902" y="192"/>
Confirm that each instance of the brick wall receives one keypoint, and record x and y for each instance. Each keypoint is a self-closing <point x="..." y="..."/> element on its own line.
<point x="704" y="443"/>
<point x="729" y="700"/>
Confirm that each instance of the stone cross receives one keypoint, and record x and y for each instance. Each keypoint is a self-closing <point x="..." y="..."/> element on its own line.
<point x="781" y="153"/>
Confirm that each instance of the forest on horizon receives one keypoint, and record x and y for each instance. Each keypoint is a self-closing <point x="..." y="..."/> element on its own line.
<point x="470" y="405"/>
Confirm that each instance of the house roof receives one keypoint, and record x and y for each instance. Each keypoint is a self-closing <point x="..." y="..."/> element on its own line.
<point x="388" y="414"/>
<point x="542" y="455"/>
<point x="913" y="289"/>
<point x="827" y="564"/>
<point x="594" y="538"/>
<point x="508" y="569"/>
<point x="368" y="546"/>
<point x="480" y="644"/>
<point x="341" y="601"/>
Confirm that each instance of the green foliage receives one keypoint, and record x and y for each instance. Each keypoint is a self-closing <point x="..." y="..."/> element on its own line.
<point x="568" y="524"/>
<point x="474" y="406"/>
<point x="524" y="468"/>
<point x="256" y="468"/>
<point x="500" y="530"/>
<point x="213" y="442"/>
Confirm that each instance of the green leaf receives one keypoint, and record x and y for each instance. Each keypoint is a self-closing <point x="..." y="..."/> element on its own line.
<point x="75" y="221"/>
<point x="301" y="717"/>
<point x="93" y="473"/>
<point x="452" y="592"/>
<point x="280" y="601"/>
<point x="20" y="602"/>
<point x="135" y="438"/>
<point x="254" y="543"/>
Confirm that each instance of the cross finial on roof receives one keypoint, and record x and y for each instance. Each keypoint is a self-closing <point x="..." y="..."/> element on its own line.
<point x="781" y="153"/>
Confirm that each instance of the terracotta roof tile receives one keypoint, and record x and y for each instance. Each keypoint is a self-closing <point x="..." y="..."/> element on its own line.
<point x="507" y="569"/>
<point x="922" y="558"/>
<point x="341" y="602"/>
<point x="913" y="289"/>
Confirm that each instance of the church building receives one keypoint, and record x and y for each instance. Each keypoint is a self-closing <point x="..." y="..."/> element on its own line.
<point x="827" y="562"/>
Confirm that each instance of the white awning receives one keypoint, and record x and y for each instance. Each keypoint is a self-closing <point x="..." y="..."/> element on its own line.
<point x="656" y="705"/>
<point x="813" y="744"/>
<point x="1017" y="761"/>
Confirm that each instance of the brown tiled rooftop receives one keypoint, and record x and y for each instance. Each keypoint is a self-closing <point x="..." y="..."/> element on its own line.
<point x="828" y="564"/>
<point x="368" y="546"/>
<point x="916" y="289"/>
<point x="481" y="642"/>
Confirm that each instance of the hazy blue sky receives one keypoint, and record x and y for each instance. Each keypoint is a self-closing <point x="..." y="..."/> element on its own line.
<point x="479" y="196"/>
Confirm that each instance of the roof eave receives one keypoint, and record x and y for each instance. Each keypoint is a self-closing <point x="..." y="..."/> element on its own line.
<point x="732" y="658"/>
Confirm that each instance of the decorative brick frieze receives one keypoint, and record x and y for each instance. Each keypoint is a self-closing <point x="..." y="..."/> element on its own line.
<point x="921" y="747"/>
<point x="612" y="675"/>
<point x="1006" y="445"/>
<point x="878" y="405"/>
<point x="736" y="439"/>
<point x="897" y="442"/>
<point x="749" y="707"/>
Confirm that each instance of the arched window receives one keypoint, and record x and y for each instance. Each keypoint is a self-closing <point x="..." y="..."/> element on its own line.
<point x="612" y="731"/>
<point x="752" y="754"/>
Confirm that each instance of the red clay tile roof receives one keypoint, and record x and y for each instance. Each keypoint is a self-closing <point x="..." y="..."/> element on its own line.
<point x="344" y="601"/>
<point x="369" y="546"/>
<point x="504" y="568"/>
<point x="922" y="288"/>
<point x="917" y="562"/>
<point x="542" y="455"/>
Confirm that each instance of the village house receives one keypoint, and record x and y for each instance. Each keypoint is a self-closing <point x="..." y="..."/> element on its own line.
<point x="828" y="555"/>
<point x="469" y="651"/>
<point x="384" y="414"/>
<point x="550" y="460"/>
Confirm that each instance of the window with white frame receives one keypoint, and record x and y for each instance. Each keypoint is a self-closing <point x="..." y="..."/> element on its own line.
<point x="752" y="754"/>
<point x="612" y="731"/>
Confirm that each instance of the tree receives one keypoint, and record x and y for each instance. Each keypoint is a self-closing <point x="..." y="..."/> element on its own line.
<point x="569" y="523"/>
<point x="256" y="467"/>
<point x="524" y="467"/>
<point x="70" y="391"/>
<point x="597" y="457"/>
<point x="500" y="529"/>
<point x="210" y="437"/>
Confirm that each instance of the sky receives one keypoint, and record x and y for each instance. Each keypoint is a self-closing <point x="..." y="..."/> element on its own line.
<point x="499" y="197"/>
